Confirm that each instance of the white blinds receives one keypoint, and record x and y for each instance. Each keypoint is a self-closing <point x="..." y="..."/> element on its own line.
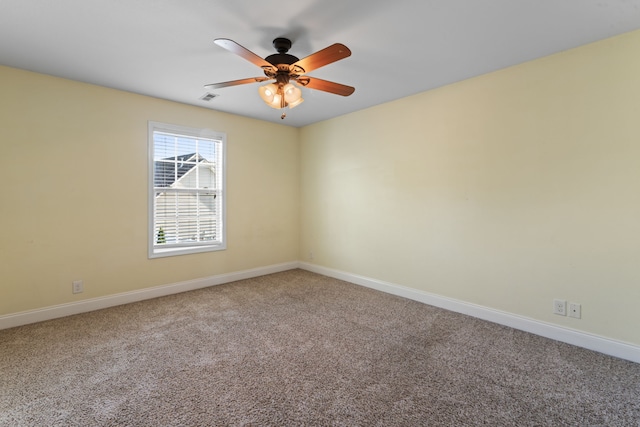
<point x="187" y="184"/>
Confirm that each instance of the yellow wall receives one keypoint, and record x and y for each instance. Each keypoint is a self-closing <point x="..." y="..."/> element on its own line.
<point x="73" y="192"/>
<point x="507" y="190"/>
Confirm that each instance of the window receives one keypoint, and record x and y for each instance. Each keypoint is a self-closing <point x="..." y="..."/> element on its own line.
<point x="186" y="190"/>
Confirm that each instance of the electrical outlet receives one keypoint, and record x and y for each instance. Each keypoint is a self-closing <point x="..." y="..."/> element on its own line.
<point x="560" y="307"/>
<point x="310" y="255"/>
<point x="77" y="287"/>
<point x="575" y="310"/>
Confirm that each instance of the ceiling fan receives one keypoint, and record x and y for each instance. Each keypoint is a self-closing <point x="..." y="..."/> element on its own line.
<point x="287" y="69"/>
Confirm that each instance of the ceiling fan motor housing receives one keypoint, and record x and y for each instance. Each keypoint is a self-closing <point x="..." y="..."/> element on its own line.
<point x="282" y="45"/>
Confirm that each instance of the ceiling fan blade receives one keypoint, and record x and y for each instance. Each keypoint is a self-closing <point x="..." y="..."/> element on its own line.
<point x="325" y="86"/>
<point x="236" y="82"/>
<point x="330" y="54"/>
<point x="234" y="47"/>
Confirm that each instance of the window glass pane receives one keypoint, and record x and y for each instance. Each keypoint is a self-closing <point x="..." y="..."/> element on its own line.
<point x="186" y="217"/>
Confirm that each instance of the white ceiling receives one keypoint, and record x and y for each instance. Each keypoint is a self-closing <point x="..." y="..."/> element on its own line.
<point x="165" y="49"/>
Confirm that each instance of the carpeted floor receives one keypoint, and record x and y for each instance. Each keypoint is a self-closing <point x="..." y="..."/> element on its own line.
<point x="296" y="348"/>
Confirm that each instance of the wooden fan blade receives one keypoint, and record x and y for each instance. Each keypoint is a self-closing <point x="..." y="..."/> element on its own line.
<point x="234" y="47"/>
<point x="236" y="82"/>
<point x="325" y="86"/>
<point x="323" y="57"/>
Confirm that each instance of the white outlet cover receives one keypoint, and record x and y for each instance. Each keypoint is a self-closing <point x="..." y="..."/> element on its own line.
<point x="575" y="310"/>
<point x="77" y="287"/>
<point x="560" y="307"/>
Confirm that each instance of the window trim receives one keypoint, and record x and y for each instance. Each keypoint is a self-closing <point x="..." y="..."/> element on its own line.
<point x="154" y="252"/>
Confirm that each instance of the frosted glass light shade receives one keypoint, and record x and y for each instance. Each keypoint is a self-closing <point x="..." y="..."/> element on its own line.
<point x="268" y="92"/>
<point x="296" y="103"/>
<point x="277" y="101"/>
<point x="292" y="95"/>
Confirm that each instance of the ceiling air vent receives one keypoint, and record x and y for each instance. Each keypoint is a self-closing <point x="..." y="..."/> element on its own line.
<point x="208" y="96"/>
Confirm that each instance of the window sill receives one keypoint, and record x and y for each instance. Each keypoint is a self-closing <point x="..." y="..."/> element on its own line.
<point x="167" y="252"/>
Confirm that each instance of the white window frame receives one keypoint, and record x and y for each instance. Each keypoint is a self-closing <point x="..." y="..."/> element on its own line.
<point x="157" y="251"/>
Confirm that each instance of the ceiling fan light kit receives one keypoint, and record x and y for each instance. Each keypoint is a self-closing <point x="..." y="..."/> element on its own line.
<point x="288" y="72"/>
<point x="277" y="96"/>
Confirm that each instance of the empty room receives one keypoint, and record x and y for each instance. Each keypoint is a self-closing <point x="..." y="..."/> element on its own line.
<point x="312" y="212"/>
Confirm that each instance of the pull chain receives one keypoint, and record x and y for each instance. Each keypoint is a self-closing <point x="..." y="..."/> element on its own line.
<point x="283" y="103"/>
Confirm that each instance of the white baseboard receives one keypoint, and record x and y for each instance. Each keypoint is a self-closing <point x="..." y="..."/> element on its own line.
<point x="62" y="310"/>
<point x="570" y="336"/>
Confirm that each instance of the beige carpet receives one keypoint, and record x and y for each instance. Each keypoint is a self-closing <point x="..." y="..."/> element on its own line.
<point x="297" y="348"/>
